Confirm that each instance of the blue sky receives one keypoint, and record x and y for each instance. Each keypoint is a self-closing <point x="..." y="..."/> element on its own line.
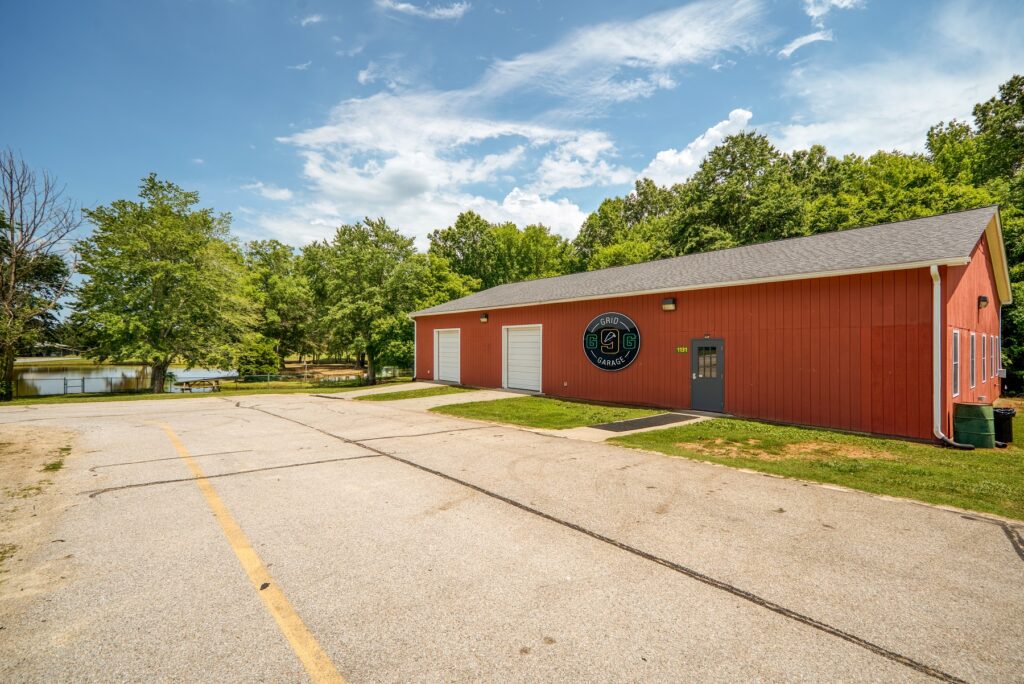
<point x="297" y="116"/>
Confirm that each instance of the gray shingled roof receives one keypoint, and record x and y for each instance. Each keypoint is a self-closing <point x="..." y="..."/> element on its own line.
<point x="933" y="239"/>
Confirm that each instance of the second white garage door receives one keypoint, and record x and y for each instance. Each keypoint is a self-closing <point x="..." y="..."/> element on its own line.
<point x="522" y="357"/>
<point x="448" y="356"/>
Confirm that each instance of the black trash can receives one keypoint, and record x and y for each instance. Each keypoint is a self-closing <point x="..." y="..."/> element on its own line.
<point x="1004" y="424"/>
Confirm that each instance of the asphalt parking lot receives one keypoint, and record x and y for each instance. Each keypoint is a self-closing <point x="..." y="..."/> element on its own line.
<point x="305" y="538"/>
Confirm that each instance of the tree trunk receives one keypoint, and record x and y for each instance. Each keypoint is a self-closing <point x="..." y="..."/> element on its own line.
<point x="159" y="376"/>
<point x="7" y="380"/>
<point x="371" y="370"/>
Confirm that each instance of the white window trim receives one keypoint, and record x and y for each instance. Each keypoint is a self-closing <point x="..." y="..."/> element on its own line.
<point x="437" y="359"/>
<point x="974" y="360"/>
<point x="999" y="352"/>
<point x="504" y="354"/>
<point x="956" y="363"/>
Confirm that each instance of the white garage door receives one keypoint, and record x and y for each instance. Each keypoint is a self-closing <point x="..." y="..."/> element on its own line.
<point x="448" y="356"/>
<point x="522" y="357"/>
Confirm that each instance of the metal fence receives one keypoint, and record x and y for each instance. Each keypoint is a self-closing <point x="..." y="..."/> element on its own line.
<point x="46" y="387"/>
<point x="123" y="384"/>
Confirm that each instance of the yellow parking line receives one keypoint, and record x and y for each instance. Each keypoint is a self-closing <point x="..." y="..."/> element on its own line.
<point x="316" y="662"/>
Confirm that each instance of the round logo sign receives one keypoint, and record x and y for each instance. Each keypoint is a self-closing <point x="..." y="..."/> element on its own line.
<point x="611" y="341"/>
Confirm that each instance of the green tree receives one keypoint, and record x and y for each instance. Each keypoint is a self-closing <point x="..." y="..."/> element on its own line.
<point x="953" y="148"/>
<point x="314" y="264"/>
<point x="421" y="281"/>
<point x="1000" y="125"/>
<point x="495" y="254"/>
<point x="255" y="354"/>
<point x="165" y="282"/>
<point x="630" y="229"/>
<point x="375" y="279"/>
<point x="35" y="220"/>
<point x="887" y="186"/>
<point x="285" y="299"/>
<point x="621" y="254"/>
<point x="470" y="248"/>
<point x="605" y="226"/>
<point x="742" y="193"/>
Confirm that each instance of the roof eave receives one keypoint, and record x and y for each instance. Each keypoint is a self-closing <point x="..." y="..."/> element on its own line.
<point x="997" y="256"/>
<point x="953" y="261"/>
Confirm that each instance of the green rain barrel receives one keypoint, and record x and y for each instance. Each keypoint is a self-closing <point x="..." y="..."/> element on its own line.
<point x="974" y="424"/>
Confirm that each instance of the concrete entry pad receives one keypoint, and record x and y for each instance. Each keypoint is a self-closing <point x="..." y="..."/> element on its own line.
<point x="445" y="549"/>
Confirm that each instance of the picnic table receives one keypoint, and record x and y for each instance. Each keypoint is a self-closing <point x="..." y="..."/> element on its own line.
<point x="202" y="385"/>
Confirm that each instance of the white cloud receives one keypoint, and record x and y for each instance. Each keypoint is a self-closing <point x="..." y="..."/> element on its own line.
<point x="453" y="11"/>
<point x="311" y="19"/>
<point x="420" y="157"/>
<point x="350" y="52"/>
<point x="268" y="191"/>
<point x="524" y="207"/>
<point x="797" y="43"/>
<point x="198" y="161"/>
<point x="369" y="74"/>
<point x="300" y="67"/>
<point x="578" y="163"/>
<point x="817" y="9"/>
<point x="674" y="166"/>
<point x="387" y="72"/>
<point x="890" y="103"/>
<point x="619" y="61"/>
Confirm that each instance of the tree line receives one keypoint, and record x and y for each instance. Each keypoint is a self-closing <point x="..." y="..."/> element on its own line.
<point x="164" y="281"/>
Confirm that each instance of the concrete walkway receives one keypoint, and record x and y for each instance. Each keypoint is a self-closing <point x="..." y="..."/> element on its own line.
<point x="586" y="433"/>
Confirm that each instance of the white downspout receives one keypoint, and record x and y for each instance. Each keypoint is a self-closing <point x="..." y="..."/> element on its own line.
<point x="937" y="362"/>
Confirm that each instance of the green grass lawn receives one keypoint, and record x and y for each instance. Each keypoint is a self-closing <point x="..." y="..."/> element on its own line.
<point x="542" y="412"/>
<point x="257" y="388"/>
<point x="414" y="394"/>
<point x="988" y="480"/>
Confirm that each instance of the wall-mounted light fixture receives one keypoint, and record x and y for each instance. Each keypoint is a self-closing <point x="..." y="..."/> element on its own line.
<point x="483" y="318"/>
<point x="668" y="304"/>
<point x="982" y="302"/>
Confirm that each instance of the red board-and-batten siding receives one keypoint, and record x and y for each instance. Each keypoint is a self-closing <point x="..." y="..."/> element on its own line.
<point x="961" y="287"/>
<point x="849" y="352"/>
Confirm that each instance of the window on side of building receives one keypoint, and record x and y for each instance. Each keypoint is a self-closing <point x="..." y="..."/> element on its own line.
<point x="992" y="367"/>
<point x="984" y="358"/>
<point x="999" y="352"/>
<point x="956" y="363"/>
<point x="974" y="358"/>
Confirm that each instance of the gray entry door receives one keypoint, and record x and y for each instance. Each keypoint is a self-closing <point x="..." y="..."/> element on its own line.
<point x="707" y="381"/>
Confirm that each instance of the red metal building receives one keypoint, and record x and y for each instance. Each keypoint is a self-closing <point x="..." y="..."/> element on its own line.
<point x="877" y="330"/>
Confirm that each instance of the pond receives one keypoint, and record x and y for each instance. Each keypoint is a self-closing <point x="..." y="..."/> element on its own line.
<point x="32" y="380"/>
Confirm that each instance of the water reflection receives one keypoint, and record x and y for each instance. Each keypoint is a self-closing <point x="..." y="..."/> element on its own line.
<point x="37" y="380"/>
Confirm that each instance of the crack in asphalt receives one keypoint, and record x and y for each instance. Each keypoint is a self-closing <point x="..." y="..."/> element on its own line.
<point x="681" y="569"/>
<point x="422" y="434"/>
<point x="169" y="458"/>
<point x="1012" y="532"/>
<point x="96" y="492"/>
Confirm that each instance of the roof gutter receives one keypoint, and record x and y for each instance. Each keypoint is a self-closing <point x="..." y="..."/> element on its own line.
<point x="957" y="261"/>
<point x="937" y="363"/>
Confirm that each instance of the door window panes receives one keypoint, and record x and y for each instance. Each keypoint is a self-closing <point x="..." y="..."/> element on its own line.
<point x="707" y="362"/>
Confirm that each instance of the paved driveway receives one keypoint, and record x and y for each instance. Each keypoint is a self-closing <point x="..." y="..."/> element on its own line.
<point x="366" y="540"/>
